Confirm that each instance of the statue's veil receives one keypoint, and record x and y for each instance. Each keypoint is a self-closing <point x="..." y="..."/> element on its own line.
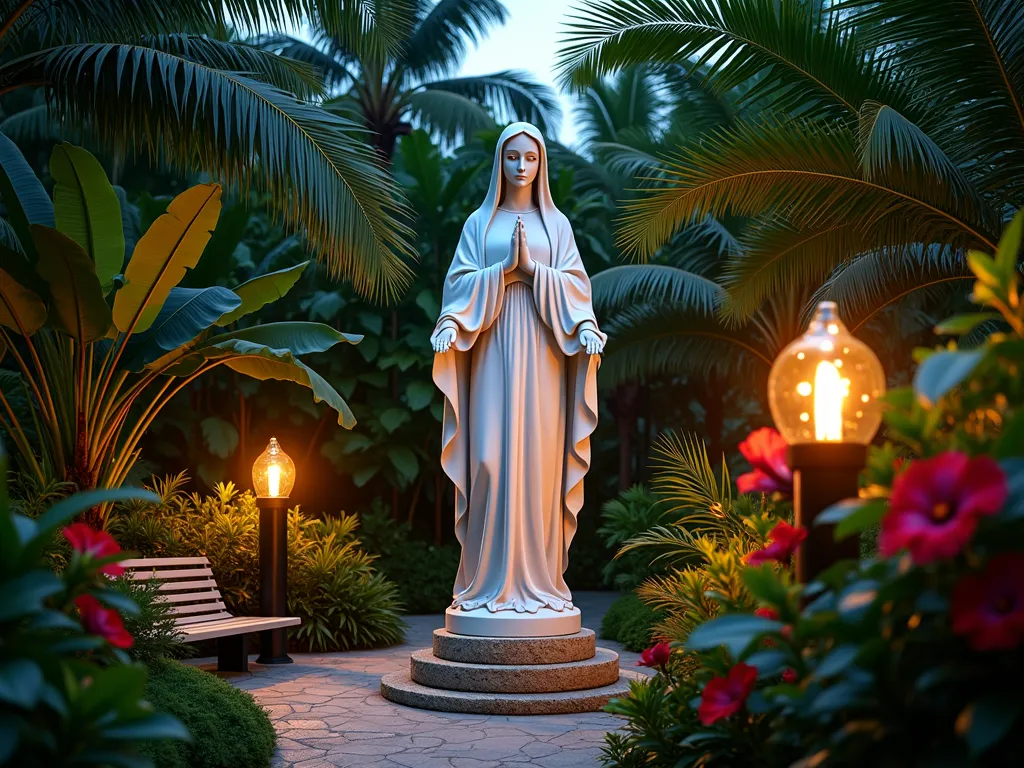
<point x="541" y="186"/>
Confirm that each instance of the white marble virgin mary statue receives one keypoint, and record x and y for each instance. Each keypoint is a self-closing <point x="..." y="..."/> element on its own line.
<point x="517" y="350"/>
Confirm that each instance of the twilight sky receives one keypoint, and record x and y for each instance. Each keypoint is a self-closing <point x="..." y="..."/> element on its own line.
<point x="528" y="41"/>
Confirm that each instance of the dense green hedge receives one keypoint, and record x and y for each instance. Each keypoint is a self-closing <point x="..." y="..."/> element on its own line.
<point x="229" y="729"/>
<point x="629" y="621"/>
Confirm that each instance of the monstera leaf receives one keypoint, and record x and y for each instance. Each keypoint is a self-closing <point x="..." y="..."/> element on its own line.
<point x="77" y="306"/>
<point x="172" y="244"/>
<point x="262" y="290"/>
<point x="186" y="313"/>
<point x="87" y="210"/>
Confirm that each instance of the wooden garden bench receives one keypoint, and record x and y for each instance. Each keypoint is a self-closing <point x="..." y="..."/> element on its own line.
<point x="199" y="611"/>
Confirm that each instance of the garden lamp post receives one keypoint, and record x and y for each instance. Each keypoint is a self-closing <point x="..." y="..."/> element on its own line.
<point x="824" y="391"/>
<point x="273" y="476"/>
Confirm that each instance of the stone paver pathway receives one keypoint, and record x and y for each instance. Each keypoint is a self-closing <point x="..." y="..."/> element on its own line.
<point x="328" y="711"/>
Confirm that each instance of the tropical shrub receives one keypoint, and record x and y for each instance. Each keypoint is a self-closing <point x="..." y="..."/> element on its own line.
<point x="229" y="729"/>
<point x="424" y="573"/>
<point x="632" y="512"/>
<point x="154" y="636"/>
<point x="332" y="585"/>
<point x="68" y="692"/>
<point x="913" y="655"/>
<point x="630" y="621"/>
<point x="101" y="352"/>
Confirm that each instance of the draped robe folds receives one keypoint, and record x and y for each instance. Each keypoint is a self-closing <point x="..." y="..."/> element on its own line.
<point x="520" y="406"/>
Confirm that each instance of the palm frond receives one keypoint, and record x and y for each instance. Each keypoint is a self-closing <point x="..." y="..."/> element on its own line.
<point x="618" y="287"/>
<point x="684" y="476"/>
<point x="509" y="95"/>
<point x="327" y="61"/>
<point x="293" y="75"/>
<point x="36" y="124"/>
<point x="629" y="161"/>
<point x="814" y="63"/>
<point x="809" y="171"/>
<point x="969" y="55"/>
<point x="451" y="116"/>
<point x="882" y="278"/>
<point x="629" y="100"/>
<point x="439" y="42"/>
<point x="319" y="175"/>
<point x="648" y="341"/>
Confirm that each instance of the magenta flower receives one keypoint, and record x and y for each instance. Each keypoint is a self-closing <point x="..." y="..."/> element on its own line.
<point x="784" y="541"/>
<point x="988" y="607"/>
<point x="936" y="503"/>
<point x="655" y="656"/>
<point x="94" y="544"/>
<point x="765" y="449"/>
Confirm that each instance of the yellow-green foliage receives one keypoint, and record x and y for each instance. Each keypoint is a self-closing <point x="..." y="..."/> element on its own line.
<point x="332" y="585"/>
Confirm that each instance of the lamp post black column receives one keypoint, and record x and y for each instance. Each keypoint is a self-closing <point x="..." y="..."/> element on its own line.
<point x="823" y="474"/>
<point x="273" y="576"/>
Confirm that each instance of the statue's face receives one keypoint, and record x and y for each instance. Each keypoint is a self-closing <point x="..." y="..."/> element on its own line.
<point x="521" y="160"/>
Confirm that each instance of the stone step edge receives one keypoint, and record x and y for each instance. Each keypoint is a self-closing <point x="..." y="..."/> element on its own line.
<point x="558" y="649"/>
<point x="426" y="669"/>
<point x="399" y="688"/>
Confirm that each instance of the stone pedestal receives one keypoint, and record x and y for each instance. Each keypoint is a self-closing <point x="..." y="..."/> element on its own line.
<point x="510" y="675"/>
<point x="483" y="623"/>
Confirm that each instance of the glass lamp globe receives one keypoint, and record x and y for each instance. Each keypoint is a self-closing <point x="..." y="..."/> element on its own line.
<point x="273" y="473"/>
<point x="825" y="386"/>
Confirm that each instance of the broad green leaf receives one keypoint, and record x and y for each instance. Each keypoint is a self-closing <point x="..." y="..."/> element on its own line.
<point x="21" y="309"/>
<point x="392" y="418"/>
<point x="263" y="362"/>
<point x="861" y="519"/>
<point x="186" y="313"/>
<point x="20" y="682"/>
<point x="24" y="595"/>
<point x="87" y="210"/>
<point x="986" y="721"/>
<point x="156" y="726"/>
<point x="295" y="336"/>
<point x="260" y="291"/>
<point x="984" y="268"/>
<point x="172" y="244"/>
<point x="419" y="394"/>
<point x="959" y="325"/>
<point x="404" y="460"/>
<point x="77" y="307"/>
<point x="837" y="660"/>
<point x="765" y="585"/>
<point x="23" y="195"/>
<point x="220" y="435"/>
<point x="944" y="371"/>
<point x="1009" y="249"/>
<point x="734" y="631"/>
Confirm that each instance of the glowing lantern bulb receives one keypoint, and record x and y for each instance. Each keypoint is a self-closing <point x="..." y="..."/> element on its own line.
<point x="826" y="385"/>
<point x="273" y="473"/>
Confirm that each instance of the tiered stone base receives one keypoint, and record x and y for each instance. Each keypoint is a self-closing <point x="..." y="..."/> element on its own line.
<point x="510" y="675"/>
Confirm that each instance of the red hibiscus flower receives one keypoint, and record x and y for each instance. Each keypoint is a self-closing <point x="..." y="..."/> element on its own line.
<point x="988" y="607"/>
<point x="767" y="613"/>
<point x="789" y="676"/>
<point x="765" y="449"/>
<point x="655" y="656"/>
<point x="784" y="541"/>
<point x="105" y="622"/>
<point x="96" y="544"/>
<point x="936" y="503"/>
<point x="725" y="696"/>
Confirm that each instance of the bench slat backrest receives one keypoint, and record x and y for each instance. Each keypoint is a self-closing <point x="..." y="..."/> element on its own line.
<point x="186" y="583"/>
